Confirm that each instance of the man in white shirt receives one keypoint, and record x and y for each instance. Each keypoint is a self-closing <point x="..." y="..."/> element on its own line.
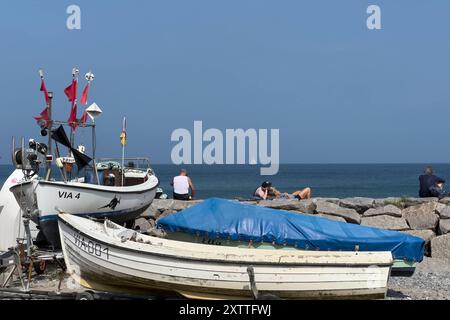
<point x="181" y="185"/>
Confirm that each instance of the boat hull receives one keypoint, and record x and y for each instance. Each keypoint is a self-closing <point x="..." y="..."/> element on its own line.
<point x="400" y="268"/>
<point x="100" y="262"/>
<point x="45" y="199"/>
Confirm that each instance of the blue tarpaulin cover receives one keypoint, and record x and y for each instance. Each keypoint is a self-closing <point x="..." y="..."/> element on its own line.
<point x="225" y="219"/>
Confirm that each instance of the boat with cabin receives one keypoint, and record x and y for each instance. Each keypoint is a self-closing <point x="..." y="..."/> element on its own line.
<point x="80" y="184"/>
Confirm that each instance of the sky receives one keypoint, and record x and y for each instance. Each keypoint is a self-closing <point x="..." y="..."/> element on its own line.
<point x="337" y="91"/>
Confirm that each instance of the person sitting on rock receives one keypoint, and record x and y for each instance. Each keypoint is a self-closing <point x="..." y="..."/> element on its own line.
<point x="431" y="185"/>
<point x="181" y="185"/>
<point x="267" y="191"/>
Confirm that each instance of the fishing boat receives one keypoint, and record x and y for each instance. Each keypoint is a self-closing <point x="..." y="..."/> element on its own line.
<point x="220" y="222"/>
<point x="108" y="257"/>
<point x="98" y="188"/>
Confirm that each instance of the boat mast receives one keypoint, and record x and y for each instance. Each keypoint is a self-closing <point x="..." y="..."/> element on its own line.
<point x="49" y="152"/>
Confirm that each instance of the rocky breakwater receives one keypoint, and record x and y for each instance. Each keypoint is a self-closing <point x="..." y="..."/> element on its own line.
<point x="427" y="218"/>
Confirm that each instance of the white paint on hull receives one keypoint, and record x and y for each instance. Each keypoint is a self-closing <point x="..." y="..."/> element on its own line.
<point x="97" y="258"/>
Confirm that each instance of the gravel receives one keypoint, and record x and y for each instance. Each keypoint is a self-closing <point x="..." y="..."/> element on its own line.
<point x="431" y="281"/>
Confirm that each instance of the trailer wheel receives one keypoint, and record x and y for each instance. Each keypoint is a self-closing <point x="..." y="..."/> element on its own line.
<point x="84" y="296"/>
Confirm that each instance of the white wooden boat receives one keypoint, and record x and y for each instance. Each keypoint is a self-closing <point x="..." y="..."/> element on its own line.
<point x="45" y="199"/>
<point x="106" y="256"/>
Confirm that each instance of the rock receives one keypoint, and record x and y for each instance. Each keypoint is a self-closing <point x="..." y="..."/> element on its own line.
<point x="426" y="235"/>
<point x="151" y="212"/>
<point x="396" y="201"/>
<point x="385" y="222"/>
<point x="179" y="205"/>
<point x="422" y="216"/>
<point x="141" y="224"/>
<point x="162" y="204"/>
<point x="350" y="215"/>
<point x="444" y="226"/>
<point x="332" y="200"/>
<point x="445" y="200"/>
<point x="440" y="247"/>
<point x="439" y="207"/>
<point x="170" y="204"/>
<point x="389" y="210"/>
<point x="445" y="213"/>
<point x="360" y="204"/>
<point x="327" y="216"/>
<point x="306" y="205"/>
<point x="409" y="202"/>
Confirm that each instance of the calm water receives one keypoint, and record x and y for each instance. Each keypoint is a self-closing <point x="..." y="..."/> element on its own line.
<point x="327" y="180"/>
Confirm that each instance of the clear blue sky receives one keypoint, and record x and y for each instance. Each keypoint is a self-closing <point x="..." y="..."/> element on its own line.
<point x="337" y="91"/>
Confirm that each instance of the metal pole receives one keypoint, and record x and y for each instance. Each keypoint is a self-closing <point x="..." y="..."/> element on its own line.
<point x="93" y="152"/>
<point x="50" y="124"/>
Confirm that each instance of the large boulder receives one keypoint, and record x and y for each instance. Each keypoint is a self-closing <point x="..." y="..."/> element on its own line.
<point x="329" y="208"/>
<point x="332" y="200"/>
<point x="162" y="205"/>
<point x="389" y="210"/>
<point x="151" y="212"/>
<point x="444" y="213"/>
<point x="396" y="201"/>
<point x="385" y="222"/>
<point x="445" y="200"/>
<point x="306" y="205"/>
<point x="330" y="217"/>
<point x="426" y="235"/>
<point x="422" y="216"/>
<point x="360" y="204"/>
<point x="142" y="224"/>
<point x="444" y="226"/>
<point x="440" y="247"/>
<point x="409" y="202"/>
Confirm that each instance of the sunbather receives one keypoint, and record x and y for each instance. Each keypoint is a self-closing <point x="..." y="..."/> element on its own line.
<point x="267" y="191"/>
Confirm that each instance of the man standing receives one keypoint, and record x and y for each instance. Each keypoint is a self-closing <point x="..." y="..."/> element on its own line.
<point x="181" y="185"/>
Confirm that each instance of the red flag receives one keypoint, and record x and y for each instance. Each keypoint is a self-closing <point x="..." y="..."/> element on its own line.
<point x="43" y="88"/>
<point x="42" y="118"/>
<point x="71" y="91"/>
<point x="83" y="118"/>
<point x="73" y="117"/>
<point x="84" y="95"/>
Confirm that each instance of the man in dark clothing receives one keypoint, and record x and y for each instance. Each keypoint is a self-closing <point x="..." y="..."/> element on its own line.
<point x="429" y="184"/>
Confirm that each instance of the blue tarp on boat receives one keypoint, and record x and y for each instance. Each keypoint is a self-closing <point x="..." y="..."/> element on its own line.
<point x="225" y="219"/>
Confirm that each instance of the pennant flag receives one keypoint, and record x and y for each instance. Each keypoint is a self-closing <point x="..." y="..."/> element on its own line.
<point x="73" y="117"/>
<point x="43" y="88"/>
<point x="83" y="118"/>
<point x="43" y="118"/>
<point x="71" y="91"/>
<point x="123" y="135"/>
<point x="84" y="95"/>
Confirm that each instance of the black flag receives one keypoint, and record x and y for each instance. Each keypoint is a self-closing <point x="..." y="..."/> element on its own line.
<point x="59" y="135"/>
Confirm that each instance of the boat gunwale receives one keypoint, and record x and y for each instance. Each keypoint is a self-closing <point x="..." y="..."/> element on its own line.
<point x="205" y="259"/>
<point x="86" y="186"/>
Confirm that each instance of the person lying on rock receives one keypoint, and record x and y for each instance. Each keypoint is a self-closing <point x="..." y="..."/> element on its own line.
<point x="431" y="185"/>
<point x="267" y="191"/>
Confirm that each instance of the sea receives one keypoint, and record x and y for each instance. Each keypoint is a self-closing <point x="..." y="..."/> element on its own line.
<point x="325" y="180"/>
